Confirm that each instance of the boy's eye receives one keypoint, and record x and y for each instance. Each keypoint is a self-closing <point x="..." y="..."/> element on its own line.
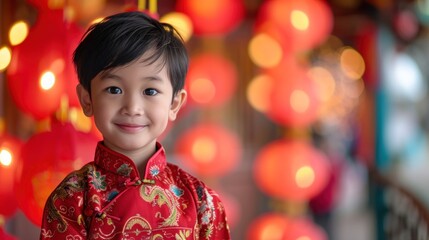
<point x="114" y="90"/>
<point x="150" y="92"/>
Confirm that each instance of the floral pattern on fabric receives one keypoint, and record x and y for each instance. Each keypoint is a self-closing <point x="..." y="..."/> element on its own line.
<point x="178" y="192"/>
<point x="154" y="170"/>
<point x="97" y="181"/>
<point x="112" y="194"/>
<point x="124" y="170"/>
<point x="107" y="199"/>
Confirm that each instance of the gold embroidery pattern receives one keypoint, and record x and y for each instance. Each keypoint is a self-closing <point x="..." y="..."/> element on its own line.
<point x="183" y="235"/>
<point x="136" y="225"/>
<point x="73" y="183"/>
<point x="160" y="196"/>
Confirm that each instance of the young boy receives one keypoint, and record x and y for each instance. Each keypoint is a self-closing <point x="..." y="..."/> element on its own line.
<point x="131" y="70"/>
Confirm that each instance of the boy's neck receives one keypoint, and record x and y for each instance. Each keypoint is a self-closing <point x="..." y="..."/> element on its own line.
<point x="139" y="157"/>
<point x="141" y="168"/>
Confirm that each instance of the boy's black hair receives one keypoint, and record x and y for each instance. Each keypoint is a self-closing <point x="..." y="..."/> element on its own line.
<point x="122" y="38"/>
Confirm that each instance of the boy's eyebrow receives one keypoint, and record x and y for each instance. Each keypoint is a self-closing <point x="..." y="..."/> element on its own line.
<point x="110" y="75"/>
<point x="153" y="78"/>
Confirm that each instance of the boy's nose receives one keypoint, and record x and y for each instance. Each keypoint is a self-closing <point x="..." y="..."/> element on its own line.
<point x="133" y="105"/>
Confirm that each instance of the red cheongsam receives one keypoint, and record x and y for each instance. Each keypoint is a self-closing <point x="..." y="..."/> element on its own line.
<point x="107" y="199"/>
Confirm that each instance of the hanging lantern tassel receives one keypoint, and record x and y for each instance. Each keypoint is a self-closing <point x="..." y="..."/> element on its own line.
<point x="151" y="8"/>
<point x="1" y="125"/>
<point x="141" y="5"/>
<point x="63" y="112"/>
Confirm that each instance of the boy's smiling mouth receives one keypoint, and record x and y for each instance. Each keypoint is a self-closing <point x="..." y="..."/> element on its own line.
<point x="129" y="127"/>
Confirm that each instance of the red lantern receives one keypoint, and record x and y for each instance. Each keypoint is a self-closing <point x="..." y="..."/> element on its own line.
<point x="304" y="23"/>
<point x="211" y="80"/>
<point x="293" y="99"/>
<point x="303" y="228"/>
<point x="212" y="17"/>
<point x="46" y="159"/>
<point x="41" y="70"/>
<point x="9" y="151"/>
<point x="291" y="169"/>
<point x="326" y="200"/>
<point x="209" y="149"/>
<point x="268" y="226"/>
<point x="40" y="4"/>
<point x="278" y="227"/>
<point x="86" y="11"/>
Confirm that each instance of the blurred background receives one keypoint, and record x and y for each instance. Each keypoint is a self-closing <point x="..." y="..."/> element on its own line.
<point x="308" y="117"/>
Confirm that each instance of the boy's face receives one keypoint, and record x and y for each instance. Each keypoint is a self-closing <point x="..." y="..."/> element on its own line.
<point x="132" y="105"/>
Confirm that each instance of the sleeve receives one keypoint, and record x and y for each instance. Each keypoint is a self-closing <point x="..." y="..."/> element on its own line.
<point x="212" y="221"/>
<point x="63" y="212"/>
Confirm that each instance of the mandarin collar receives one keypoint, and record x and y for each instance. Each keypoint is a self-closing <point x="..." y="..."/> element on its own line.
<point x="120" y="164"/>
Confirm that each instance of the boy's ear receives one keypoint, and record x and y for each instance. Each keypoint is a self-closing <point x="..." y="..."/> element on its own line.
<point x="85" y="100"/>
<point x="178" y="101"/>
